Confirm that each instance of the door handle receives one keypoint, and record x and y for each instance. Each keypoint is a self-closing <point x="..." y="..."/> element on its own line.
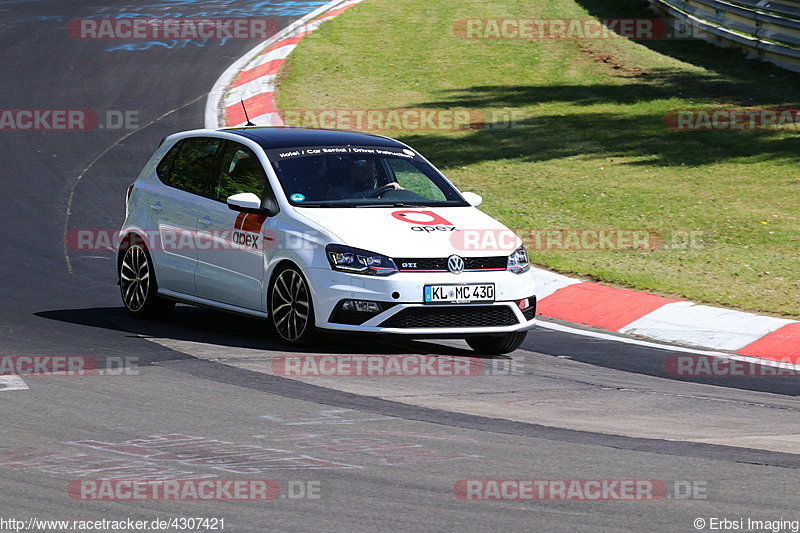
<point x="156" y="207"/>
<point x="204" y="220"/>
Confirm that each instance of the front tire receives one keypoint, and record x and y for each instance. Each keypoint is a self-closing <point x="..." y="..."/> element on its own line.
<point x="496" y="344"/>
<point x="137" y="284"/>
<point x="291" y="310"/>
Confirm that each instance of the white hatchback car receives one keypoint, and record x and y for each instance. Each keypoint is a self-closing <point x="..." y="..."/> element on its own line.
<point x="320" y="229"/>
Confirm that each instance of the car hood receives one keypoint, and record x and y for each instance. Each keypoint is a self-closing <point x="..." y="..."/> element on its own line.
<point x="416" y="232"/>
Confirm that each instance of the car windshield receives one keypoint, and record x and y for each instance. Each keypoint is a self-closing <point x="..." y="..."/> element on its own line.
<point x="350" y="176"/>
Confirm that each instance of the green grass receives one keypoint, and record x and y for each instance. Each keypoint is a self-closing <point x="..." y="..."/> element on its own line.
<point x="590" y="149"/>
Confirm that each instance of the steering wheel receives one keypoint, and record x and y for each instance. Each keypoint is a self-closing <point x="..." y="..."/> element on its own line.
<point x="383" y="190"/>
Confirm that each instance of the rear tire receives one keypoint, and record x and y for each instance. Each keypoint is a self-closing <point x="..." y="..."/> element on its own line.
<point x="137" y="283"/>
<point x="496" y="344"/>
<point x="291" y="310"/>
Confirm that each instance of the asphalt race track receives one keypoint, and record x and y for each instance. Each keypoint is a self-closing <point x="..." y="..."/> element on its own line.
<point x="349" y="454"/>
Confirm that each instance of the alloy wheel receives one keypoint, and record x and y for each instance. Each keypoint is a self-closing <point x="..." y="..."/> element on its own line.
<point x="290" y="305"/>
<point x="134" y="278"/>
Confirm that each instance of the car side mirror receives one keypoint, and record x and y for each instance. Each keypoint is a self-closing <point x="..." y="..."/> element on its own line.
<point x="472" y="199"/>
<point x="244" y="201"/>
<point x="248" y="202"/>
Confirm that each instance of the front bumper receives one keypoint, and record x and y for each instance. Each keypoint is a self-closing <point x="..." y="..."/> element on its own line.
<point x="402" y="293"/>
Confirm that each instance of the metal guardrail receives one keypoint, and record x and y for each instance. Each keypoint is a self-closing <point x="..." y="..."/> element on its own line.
<point x="761" y="28"/>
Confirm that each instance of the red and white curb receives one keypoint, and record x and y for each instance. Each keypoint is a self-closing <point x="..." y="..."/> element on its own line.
<point x="252" y="80"/>
<point x="666" y="319"/>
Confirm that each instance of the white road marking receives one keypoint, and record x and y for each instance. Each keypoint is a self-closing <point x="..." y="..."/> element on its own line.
<point x="76" y="181"/>
<point x="329" y="417"/>
<point x="8" y="383"/>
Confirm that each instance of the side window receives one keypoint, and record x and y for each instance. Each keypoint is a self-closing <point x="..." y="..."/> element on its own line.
<point x="241" y="171"/>
<point x="410" y="178"/>
<point x="195" y="165"/>
<point x="165" y="165"/>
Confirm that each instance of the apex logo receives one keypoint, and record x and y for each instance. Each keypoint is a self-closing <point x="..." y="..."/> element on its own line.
<point x="426" y="221"/>
<point x="246" y="239"/>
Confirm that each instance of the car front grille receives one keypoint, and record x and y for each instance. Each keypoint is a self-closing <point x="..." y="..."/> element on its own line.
<point x="439" y="264"/>
<point x="452" y="317"/>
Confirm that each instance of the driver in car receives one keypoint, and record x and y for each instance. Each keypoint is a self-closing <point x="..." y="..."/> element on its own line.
<point x="361" y="182"/>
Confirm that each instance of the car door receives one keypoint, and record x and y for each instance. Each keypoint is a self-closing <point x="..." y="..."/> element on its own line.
<point x="187" y="172"/>
<point x="230" y="262"/>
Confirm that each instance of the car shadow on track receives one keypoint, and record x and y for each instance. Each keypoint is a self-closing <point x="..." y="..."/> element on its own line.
<point x="219" y="329"/>
<point x="222" y="329"/>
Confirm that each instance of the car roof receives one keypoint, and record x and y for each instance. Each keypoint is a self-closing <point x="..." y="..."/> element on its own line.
<point x="269" y="137"/>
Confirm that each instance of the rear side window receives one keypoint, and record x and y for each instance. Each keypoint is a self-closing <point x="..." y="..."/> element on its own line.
<point x="195" y="165"/>
<point x="241" y="172"/>
<point x="165" y="166"/>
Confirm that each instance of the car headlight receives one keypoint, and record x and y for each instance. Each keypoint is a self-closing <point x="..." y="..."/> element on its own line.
<point x="518" y="261"/>
<point x="357" y="261"/>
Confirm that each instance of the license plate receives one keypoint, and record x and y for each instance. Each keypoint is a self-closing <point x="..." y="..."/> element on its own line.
<point x="459" y="294"/>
